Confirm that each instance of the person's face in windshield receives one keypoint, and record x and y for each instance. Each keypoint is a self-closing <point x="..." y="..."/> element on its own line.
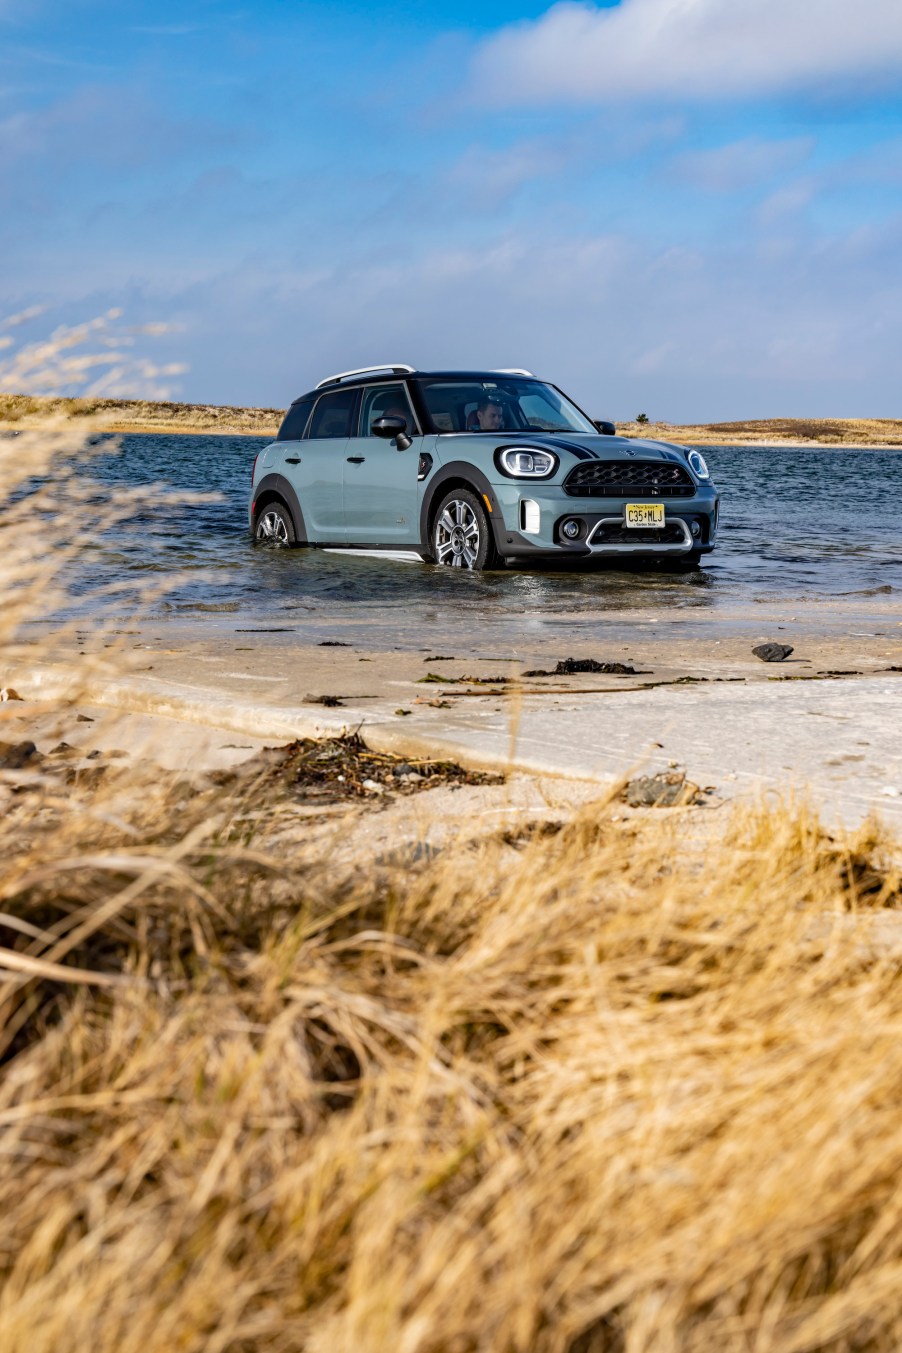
<point x="489" y="417"/>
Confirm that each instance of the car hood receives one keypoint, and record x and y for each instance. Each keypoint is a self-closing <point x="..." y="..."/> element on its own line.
<point x="584" y="446"/>
<point x="580" y="446"/>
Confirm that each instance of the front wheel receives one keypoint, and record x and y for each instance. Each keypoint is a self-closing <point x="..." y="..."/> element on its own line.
<point x="461" y="534"/>
<point x="274" y="526"/>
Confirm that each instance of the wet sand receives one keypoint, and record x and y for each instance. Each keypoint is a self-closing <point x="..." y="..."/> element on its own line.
<point x="206" y="695"/>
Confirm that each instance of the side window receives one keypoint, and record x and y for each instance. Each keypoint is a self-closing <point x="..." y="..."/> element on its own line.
<point x="380" y="401"/>
<point x="332" y="415"/>
<point x="295" y="420"/>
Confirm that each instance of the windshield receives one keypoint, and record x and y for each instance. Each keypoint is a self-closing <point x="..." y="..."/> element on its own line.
<point x="499" y="404"/>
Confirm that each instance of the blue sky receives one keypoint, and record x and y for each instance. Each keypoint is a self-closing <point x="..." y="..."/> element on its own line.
<point x="687" y="207"/>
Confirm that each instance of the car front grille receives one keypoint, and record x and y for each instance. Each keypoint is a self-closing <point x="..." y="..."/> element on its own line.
<point x="623" y="478"/>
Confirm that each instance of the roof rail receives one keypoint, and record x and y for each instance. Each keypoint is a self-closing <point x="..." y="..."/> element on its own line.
<point x="396" y="368"/>
<point x="513" y="371"/>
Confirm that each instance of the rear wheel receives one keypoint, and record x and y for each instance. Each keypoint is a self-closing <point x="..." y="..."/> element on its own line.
<point x="274" y="526"/>
<point x="461" y="534"/>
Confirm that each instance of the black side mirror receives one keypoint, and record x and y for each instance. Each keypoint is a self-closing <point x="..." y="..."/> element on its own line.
<point x="607" y="428"/>
<point x="392" y="428"/>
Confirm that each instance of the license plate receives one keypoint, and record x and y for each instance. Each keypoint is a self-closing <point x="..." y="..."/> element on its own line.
<point x="645" y="514"/>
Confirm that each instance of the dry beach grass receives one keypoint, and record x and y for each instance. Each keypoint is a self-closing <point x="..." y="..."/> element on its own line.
<point x="582" y="1089"/>
<point x="613" y="1083"/>
<point x="851" y="432"/>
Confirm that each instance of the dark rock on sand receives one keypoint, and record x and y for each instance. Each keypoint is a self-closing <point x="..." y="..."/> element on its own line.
<point x="16" y="755"/>
<point x="772" y="652"/>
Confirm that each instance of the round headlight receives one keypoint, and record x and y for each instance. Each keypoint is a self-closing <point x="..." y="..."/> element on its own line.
<point x="697" y="463"/>
<point x="527" y="463"/>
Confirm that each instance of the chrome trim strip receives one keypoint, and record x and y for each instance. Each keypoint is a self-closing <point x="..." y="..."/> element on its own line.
<point x="640" y="545"/>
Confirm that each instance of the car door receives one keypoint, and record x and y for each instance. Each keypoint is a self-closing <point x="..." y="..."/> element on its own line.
<point x="314" y="466"/>
<point x="380" y="479"/>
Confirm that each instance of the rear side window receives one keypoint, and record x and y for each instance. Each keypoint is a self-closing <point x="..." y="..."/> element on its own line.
<point x="295" y="420"/>
<point x="332" y="415"/>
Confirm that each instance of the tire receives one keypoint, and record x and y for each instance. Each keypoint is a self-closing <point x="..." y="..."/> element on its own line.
<point x="274" y="527"/>
<point x="461" y="535"/>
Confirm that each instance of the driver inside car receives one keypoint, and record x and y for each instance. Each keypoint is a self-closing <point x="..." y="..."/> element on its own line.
<point x="486" y="417"/>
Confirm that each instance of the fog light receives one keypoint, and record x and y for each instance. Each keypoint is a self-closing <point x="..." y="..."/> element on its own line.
<point x="570" y="529"/>
<point x="695" y="529"/>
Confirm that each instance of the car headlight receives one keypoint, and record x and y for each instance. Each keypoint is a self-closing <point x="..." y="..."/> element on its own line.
<point x="697" y="463"/>
<point x="526" y="462"/>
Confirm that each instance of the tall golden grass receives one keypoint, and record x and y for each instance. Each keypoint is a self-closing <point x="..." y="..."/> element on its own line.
<point x="52" y="511"/>
<point x="620" y="1085"/>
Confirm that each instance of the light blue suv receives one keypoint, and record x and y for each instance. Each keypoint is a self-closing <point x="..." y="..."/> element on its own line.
<point x="470" y="468"/>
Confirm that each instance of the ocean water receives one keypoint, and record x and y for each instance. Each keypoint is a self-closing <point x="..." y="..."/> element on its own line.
<point x="795" y="524"/>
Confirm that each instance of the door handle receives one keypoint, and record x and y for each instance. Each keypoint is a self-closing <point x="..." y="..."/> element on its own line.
<point x="292" y="460"/>
<point x="356" y="460"/>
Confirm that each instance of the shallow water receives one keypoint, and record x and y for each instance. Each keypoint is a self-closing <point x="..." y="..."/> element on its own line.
<point x="795" y="524"/>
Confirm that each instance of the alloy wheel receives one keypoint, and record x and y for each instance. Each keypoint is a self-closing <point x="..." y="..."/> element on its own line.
<point x="457" y="535"/>
<point x="272" y="529"/>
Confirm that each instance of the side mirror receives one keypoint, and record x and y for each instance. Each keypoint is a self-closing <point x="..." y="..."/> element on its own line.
<point x="607" y="429"/>
<point x="392" y="428"/>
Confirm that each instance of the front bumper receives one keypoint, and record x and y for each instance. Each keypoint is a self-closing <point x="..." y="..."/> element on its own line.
<point x="533" y="515"/>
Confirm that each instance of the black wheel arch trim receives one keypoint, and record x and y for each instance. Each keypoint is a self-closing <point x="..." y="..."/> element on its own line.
<point x="462" y="470"/>
<point x="279" y="486"/>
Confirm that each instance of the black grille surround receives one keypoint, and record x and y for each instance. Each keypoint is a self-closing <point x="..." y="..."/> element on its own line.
<point x="615" y="534"/>
<point x="624" y="478"/>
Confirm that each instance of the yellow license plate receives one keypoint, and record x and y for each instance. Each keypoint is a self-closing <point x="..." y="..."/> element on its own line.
<point x="645" y="514"/>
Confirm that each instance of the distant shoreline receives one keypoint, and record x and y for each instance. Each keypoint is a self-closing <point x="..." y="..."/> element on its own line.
<point x="22" y="412"/>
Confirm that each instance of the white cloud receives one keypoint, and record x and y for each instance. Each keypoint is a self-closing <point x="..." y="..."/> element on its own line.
<point x="741" y="164"/>
<point x="485" y="177"/>
<point x="689" y="49"/>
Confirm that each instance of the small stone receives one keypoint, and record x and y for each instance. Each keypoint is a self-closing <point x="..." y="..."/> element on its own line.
<point x="83" y="718"/>
<point x="772" y="652"/>
<point x="9" y="694"/>
<point x="667" y="789"/>
<point x="373" y="787"/>
<point x="890" y="791"/>
<point x="402" y="712"/>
